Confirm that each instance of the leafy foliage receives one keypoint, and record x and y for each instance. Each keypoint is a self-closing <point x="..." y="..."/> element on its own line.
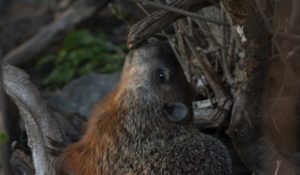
<point x="3" y="136"/>
<point x="81" y="53"/>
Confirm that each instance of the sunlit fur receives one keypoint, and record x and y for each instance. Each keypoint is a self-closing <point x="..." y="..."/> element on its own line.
<point x="129" y="133"/>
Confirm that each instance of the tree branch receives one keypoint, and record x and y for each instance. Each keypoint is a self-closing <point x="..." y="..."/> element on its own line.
<point x="76" y="13"/>
<point x="217" y="117"/>
<point x="181" y="12"/>
<point x="39" y="123"/>
<point x="161" y="19"/>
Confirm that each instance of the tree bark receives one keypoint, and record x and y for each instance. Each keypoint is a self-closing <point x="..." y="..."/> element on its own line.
<point x="40" y="125"/>
<point x="245" y="127"/>
<point x="249" y="127"/>
<point x="159" y="20"/>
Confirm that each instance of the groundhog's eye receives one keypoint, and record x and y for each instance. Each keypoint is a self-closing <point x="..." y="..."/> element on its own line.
<point x="162" y="75"/>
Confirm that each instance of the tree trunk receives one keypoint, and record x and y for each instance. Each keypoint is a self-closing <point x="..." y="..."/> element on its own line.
<point x="250" y="123"/>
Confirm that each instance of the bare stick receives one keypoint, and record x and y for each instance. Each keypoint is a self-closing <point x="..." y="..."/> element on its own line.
<point x="217" y="118"/>
<point x="180" y="11"/>
<point x="157" y="21"/>
<point x="79" y="11"/>
<point x="211" y="76"/>
<point x="225" y="51"/>
<point x="288" y="36"/>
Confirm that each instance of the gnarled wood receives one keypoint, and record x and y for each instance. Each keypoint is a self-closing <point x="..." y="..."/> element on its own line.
<point x="159" y="20"/>
<point x="245" y="128"/>
<point x="248" y="128"/>
<point x="39" y="123"/>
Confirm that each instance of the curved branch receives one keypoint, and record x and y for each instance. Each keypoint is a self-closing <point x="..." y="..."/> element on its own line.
<point x="39" y="123"/>
<point x="157" y="21"/>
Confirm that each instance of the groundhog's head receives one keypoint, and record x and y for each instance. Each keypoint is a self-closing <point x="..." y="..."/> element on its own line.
<point x="153" y="78"/>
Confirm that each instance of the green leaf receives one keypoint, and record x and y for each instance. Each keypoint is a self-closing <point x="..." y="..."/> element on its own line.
<point x="82" y="53"/>
<point x="43" y="61"/>
<point x="3" y="136"/>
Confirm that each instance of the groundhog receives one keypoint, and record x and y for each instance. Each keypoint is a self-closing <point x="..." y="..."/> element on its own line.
<point x="137" y="128"/>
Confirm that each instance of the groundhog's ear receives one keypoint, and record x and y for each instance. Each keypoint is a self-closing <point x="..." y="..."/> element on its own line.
<point x="176" y="111"/>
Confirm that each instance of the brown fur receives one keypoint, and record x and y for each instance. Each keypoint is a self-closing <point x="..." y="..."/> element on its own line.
<point x="129" y="133"/>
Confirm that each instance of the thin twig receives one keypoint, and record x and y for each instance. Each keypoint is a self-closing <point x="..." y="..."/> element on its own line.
<point x="211" y="76"/>
<point x="278" y="164"/>
<point x="263" y="15"/>
<point x="207" y="32"/>
<point x="287" y="36"/>
<point x="293" y="51"/>
<point x="225" y="51"/>
<point x="180" y="11"/>
<point x="142" y="8"/>
<point x="182" y="48"/>
<point x="160" y="19"/>
<point x="190" y="22"/>
<point x="172" y="44"/>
